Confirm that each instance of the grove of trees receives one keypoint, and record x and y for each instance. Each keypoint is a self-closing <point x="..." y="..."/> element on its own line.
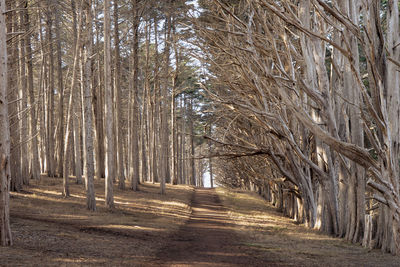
<point x="307" y="95"/>
<point x="97" y="89"/>
<point x="298" y="100"/>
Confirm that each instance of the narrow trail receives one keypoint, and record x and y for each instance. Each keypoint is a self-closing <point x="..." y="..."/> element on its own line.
<point x="208" y="238"/>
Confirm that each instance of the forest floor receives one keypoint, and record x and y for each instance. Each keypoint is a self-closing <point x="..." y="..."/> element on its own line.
<point x="278" y="241"/>
<point x="186" y="227"/>
<point x="50" y="230"/>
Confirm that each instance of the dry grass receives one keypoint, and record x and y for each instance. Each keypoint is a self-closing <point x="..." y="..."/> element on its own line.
<point x="49" y="229"/>
<point x="278" y="238"/>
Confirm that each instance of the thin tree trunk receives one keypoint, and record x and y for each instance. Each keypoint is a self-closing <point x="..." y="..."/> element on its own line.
<point x="183" y="137"/>
<point x="5" y="231"/>
<point x="191" y="129"/>
<point x="77" y="25"/>
<point x="87" y="115"/>
<point x="60" y="85"/>
<point x="35" y="167"/>
<point x="82" y="94"/>
<point x="24" y="103"/>
<point x="173" y="137"/>
<point x="210" y="160"/>
<point x="50" y="100"/>
<point x="156" y="107"/>
<point x="118" y="110"/>
<point x="144" y="138"/>
<point x="145" y="118"/>
<point x="15" y="156"/>
<point x="68" y="132"/>
<point x="68" y="141"/>
<point x="5" y="175"/>
<point x="108" y="109"/>
<point x="42" y="108"/>
<point x="164" y="135"/>
<point x="98" y="97"/>
<point x="135" y="116"/>
<point x="148" y="104"/>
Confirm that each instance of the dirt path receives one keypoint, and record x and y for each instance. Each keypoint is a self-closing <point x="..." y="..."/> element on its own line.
<point x="208" y="238"/>
<point x="225" y="228"/>
<point x="245" y="231"/>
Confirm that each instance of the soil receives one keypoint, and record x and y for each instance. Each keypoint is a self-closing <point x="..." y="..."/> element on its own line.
<point x="186" y="227"/>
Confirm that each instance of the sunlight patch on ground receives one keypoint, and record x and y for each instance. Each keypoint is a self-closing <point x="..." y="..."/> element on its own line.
<point x="130" y="227"/>
<point x="77" y="260"/>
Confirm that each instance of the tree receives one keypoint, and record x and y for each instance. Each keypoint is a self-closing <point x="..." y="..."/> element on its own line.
<point x="76" y="123"/>
<point x="108" y="108"/>
<point x="34" y="164"/>
<point x="5" y="231"/>
<point x="89" y="184"/>
<point x="164" y="135"/>
<point x="118" y="102"/>
<point x="15" y="138"/>
<point x="134" y="100"/>
<point x="23" y="94"/>
<point x="60" y="85"/>
<point x="50" y="91"/>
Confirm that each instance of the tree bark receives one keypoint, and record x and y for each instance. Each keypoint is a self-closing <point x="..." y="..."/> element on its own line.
<point x="60" y="85"/>
<point x="50" y="100"/>
<point x="5" y="231"/>
<point x="87" y="115"/>
<point x="156" y="108"/>
<point x="118" y="110"/>
<point x="164" y="135"/>
<point x="15" y="156"/>
<point x="98" y="97"/>
<point x="23" y="94"/>
<point x="108" y="109"/>
<point x="77" y="26"/>
<point x="135" y="127"/>
<point x="34" y="161"/>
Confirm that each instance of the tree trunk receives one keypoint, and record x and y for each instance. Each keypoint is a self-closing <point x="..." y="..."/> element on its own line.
<point x="60" y="85"/>
<point x="173" y="137"/>
<point x="5" y="231"/>
<point x="118" y="110"/>
<point x="191" y="129"/>
<point x="210" y="160"/>
<point x="34" y="164"/>
<point x="98" y="97"/>
<point x="68" y="132"/>
<point x="148" y="106"/>
<point x="23" y="94"/>
<point x="135" y="127"/>
<point x="108" y="109"/>
<point x="77" y="25"/>
<point x="12" y="98"/>
<point x="156" y="108"/>
<point x="87" y="115"/>
<point x="164" y="135"/>
<point x="50" y="100"/>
